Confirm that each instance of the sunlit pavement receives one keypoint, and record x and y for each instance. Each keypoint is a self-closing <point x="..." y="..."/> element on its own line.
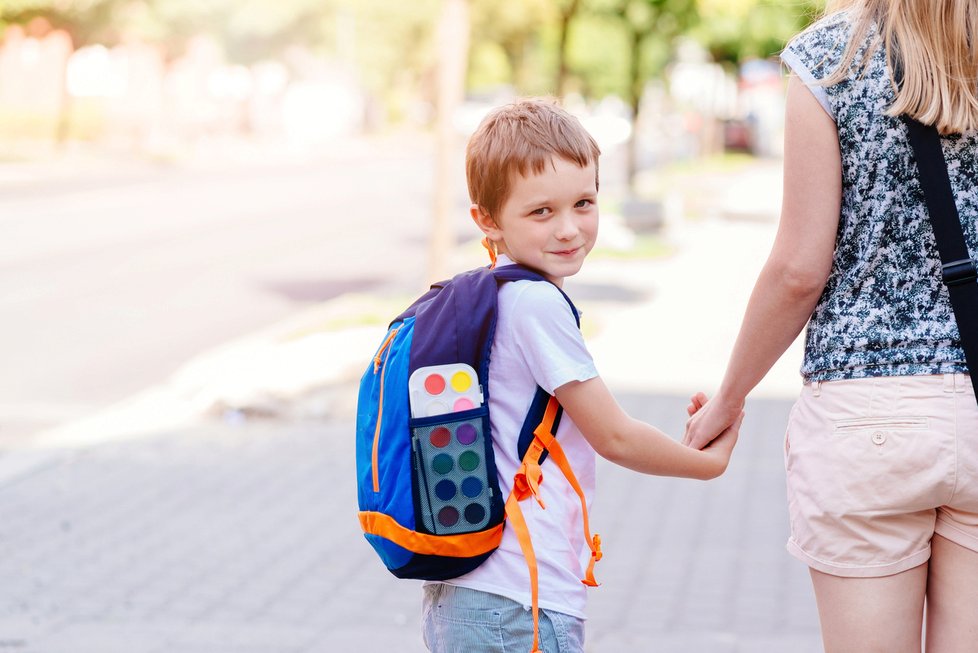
<point x="238" y="534"/>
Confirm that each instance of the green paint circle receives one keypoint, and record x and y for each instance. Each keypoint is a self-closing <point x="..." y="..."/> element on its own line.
<point x="442" y="463"/>
<point x="468" y="461"/>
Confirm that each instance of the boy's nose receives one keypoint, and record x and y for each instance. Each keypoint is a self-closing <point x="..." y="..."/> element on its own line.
<point x="567" y="227"/>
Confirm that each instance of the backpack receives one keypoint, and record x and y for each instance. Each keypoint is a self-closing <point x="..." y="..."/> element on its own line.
<point x="428" y="489"/>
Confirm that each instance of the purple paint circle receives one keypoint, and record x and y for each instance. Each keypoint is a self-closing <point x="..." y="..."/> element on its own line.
<point x="445" y="490"/>
<point x="466" y="434"/>
<point x="474" y="513"/>
<point x="448" y="516"/>
<point x="472" y="487"/>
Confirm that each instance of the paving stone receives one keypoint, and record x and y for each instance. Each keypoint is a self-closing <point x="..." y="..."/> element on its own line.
<point x="224" y="539"/>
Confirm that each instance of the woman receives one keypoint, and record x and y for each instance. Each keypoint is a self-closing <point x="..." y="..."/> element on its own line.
<point x="881" y="451"/>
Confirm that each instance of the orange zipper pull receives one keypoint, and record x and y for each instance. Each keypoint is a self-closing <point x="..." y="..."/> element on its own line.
<point x="378" y="359"/>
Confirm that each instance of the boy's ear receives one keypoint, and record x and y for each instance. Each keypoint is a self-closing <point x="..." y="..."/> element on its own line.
<point x="485" y="222"/>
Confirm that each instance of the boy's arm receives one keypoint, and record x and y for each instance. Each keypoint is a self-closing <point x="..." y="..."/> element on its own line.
<point x="634" y="444"/>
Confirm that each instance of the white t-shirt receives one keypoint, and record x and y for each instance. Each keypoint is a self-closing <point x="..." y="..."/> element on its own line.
<point x="537" y="342"/>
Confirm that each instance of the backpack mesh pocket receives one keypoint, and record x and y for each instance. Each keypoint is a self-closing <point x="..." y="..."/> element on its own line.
<point x="455" y="490"/>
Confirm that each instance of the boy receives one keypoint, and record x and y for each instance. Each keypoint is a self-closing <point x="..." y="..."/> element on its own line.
<point x="532" y="173"/>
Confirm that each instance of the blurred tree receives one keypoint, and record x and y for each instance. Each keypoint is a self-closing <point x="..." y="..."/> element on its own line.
<point x="453" y="48"/>
<point x="518" y="30"/>
<point x="86" y="21"/>
<point x="567" y="10"/>
<point x="735" y="30"/>
<point x="651" y="28"/>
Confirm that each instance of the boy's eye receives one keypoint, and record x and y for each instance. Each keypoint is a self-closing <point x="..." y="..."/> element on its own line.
<point x="581" y="204"/>
<point x="541" y="211"/>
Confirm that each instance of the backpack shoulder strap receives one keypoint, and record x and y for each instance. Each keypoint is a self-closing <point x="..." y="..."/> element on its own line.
<point x="516" y="272"/>
<point x="537" y="440"/>
<point x="957" y="266"/>
<point x="526" y="484"/>
<point x="447" y="338"/>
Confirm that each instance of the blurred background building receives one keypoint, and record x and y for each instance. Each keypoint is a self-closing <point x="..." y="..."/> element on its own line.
<point x="159" y="76"/>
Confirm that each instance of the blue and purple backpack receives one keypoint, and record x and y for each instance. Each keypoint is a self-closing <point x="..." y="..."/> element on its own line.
<point x="428" y="489"/>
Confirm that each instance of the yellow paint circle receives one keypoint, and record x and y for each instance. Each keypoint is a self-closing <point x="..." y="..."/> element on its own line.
<point x="461" y="381"/>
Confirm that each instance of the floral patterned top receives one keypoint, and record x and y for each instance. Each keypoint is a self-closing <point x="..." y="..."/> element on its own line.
<point x="884" y="310"/>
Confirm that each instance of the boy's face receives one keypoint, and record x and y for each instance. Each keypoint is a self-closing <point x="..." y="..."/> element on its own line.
<point x="549" y="222"/>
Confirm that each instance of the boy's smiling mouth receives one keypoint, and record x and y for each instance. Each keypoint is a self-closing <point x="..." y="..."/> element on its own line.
<point x="566" y="252"/>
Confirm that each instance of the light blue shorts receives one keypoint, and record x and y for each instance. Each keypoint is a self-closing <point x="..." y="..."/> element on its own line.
<point x="462" y="620"/>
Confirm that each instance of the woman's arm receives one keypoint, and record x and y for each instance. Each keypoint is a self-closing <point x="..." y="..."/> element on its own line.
<point x="798" y="267"/>
<point x="634" y="444"/>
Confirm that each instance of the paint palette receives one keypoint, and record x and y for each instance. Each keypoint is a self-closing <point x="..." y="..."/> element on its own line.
<point x="442" y="389"/>
<point x="451" y="450"/>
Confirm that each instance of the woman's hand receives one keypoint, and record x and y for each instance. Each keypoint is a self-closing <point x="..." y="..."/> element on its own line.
<point x="709" y="418"/>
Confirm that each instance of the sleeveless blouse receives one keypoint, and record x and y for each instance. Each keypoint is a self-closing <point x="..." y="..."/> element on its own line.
<point x="884" y="310"/>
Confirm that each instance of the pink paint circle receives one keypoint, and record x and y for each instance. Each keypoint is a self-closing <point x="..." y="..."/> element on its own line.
<point x="434" y="384"/>
<point x="463" y="403"/>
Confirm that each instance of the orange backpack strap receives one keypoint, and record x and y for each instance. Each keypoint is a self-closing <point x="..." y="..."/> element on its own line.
<point x="549" y="442"/>
<point x="526" y="484"/>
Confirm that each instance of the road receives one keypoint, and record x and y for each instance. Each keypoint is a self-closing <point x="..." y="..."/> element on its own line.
<point x="111" y="278"/>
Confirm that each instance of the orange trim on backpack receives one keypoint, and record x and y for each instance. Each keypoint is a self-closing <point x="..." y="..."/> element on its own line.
<point x="515" y="516"/>
<point x="468" y="545"/>
<point x="544" y="433"/>
<point x="527" y="483"/>
<point x="375" y="454"/>
<point x="594" y="543"/>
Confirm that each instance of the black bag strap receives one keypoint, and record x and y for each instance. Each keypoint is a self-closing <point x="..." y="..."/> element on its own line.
<point x="958" y="268"/>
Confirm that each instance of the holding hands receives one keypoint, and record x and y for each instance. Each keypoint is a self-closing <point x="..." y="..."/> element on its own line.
<point x="713" y="424"/>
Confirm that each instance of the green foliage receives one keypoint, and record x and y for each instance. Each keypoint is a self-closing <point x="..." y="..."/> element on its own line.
<point x="88" y="21"/>
<point x="610" y="46"/>
<point x="735" y="30"/>
<point x="522" y="32"/>
<point x="598" y="55"/>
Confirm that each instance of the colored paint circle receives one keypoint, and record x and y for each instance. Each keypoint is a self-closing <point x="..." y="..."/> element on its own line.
<point x="463" y="403"/>
<point x="466" y="434"/>
<point x="448" y="516"/>
<point x="445" y="490"/>
<point x="437" y="408"/>
<point x="472" y="487"/>
<point x="442" y="463"/>
<point x="468" y="461"/>
<point x="474" y="513"/>
<point x="461" y="381"/>
<point x="440" y="437"/>
<point x="434" y="384"/>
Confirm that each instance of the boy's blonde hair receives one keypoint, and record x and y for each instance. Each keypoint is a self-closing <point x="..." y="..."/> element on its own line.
<point x="519" y="139"/>
<point x="936" y="43"/>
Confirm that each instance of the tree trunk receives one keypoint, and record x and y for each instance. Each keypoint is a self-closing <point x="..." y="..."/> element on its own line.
<point x="453" y="49"/>
<point x="563" y="71"/>
<point x="636" y="86"/>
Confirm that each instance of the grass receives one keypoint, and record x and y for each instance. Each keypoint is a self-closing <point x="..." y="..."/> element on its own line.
<point x="645" y="247"/>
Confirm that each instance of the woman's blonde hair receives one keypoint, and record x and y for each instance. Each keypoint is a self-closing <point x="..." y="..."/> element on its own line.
<point x="936" y="44"/>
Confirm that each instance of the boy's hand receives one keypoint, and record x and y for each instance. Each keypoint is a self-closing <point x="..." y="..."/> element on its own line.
<point x="696" y="402"/>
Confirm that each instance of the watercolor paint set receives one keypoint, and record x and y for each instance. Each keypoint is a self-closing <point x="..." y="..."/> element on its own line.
<point x="450" y="441"/>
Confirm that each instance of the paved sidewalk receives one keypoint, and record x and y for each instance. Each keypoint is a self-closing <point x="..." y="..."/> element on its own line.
<point x="148" y="529"/>
<point x="220" y="539"/>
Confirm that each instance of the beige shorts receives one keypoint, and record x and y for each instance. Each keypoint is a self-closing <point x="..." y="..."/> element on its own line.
<point x="876" y="466"/>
